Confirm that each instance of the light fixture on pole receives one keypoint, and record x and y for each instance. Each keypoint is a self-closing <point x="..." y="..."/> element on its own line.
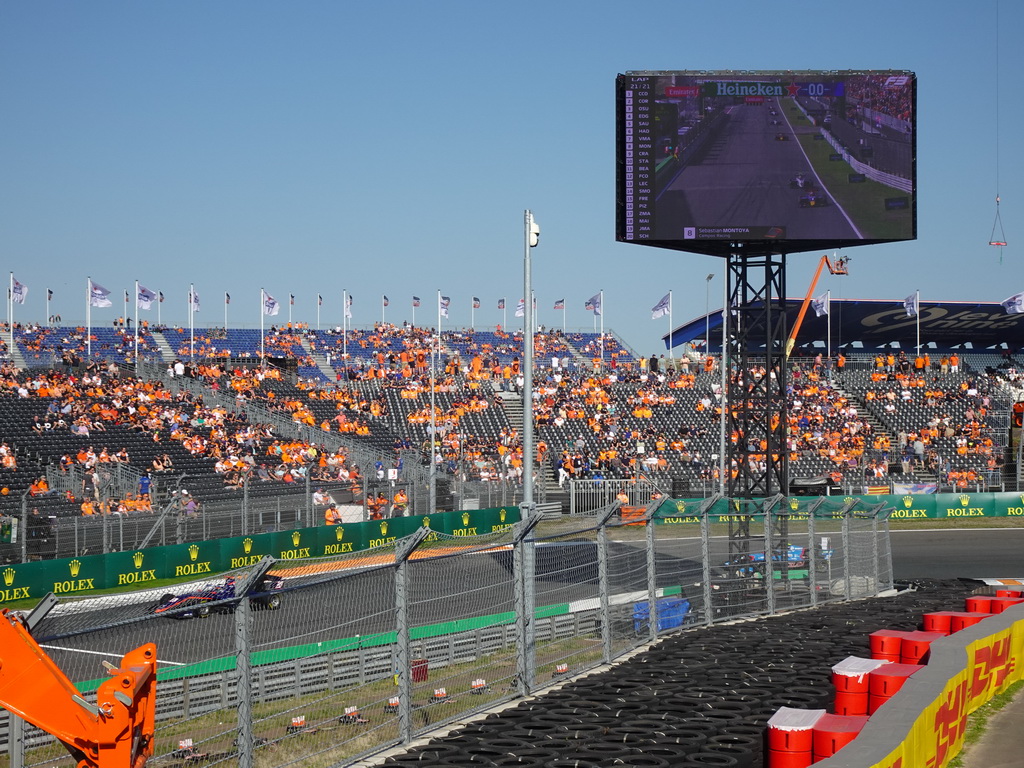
<point x="532" y="237"/>
<point x="707" y="311"/>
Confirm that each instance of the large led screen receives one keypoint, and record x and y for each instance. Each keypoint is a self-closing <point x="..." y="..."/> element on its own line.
<point x="766" y="162"/>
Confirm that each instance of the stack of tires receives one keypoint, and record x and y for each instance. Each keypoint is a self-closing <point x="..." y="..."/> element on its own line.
<point x="699" y="698"/>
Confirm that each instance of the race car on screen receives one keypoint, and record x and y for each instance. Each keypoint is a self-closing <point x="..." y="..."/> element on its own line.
<point x="781" y="137"/>
<point x="220" y="597"/>
<point x="799" y="181"/>
<point x="813" y="198"/>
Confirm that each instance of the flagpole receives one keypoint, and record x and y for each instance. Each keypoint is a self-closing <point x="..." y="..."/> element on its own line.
<point x="382" y="309"/>
<point x="504" y="314"/>
<point x="414" y="314"/>
<point x="828" y="322"/>
<point x="917" y="314"/>
<point x="291" y="298"/>
<point x="159" y="307"/>
<point x="602" y="329"/>
<point x="48" y="315"/>
<point x="472" y="315"/>
<point x="225" y="311"/>
<point x="263" y="304"/>
<point x="438" y="313"/>
<point x="10" y="315"/>
<point x="344" y="326"/>
<point x="191" y="322"/>
<point x="724" y="398"/>
<point x="671" y="348"/>
<point x="563" y="317"/>
<point x="318" y="311"/>
<point x="136" y="325"/>
<point x="88" y="318"/>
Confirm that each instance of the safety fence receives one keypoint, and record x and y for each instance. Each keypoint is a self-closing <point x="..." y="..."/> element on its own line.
<point x="370" y="649"/>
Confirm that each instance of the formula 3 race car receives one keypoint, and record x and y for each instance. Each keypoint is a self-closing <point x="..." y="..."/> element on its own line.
<point x="220" y="597"/>
<point x="799" y="181"/>
<point x="813" y="198"/>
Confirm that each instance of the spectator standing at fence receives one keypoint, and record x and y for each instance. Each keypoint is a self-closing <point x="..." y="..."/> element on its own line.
<point x="332" y="515"/>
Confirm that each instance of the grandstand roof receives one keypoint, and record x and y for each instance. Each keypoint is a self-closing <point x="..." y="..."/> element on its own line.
<point x="871" y="323"/>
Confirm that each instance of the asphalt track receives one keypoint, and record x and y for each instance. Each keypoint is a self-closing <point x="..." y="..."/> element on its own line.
<point x="444" y="589"/>
<point x="742" y="178"/>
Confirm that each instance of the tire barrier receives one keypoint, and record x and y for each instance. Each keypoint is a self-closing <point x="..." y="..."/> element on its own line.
<point x="701" y="698"/>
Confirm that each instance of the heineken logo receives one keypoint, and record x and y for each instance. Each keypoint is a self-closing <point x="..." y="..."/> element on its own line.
<point x="740" y="88"/>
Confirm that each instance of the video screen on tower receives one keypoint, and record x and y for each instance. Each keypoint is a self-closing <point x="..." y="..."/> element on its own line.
<point x="776" y="162"/>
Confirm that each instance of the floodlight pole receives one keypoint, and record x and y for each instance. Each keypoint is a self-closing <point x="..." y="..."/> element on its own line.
<point x="707" y="312"/>
<point x="531" y="236"/>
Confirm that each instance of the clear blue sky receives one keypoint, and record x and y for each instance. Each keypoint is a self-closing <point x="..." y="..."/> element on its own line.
<point x="391" y="147"/>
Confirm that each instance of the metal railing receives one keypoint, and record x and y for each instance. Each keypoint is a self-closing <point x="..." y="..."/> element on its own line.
<point x="371" y="650"/>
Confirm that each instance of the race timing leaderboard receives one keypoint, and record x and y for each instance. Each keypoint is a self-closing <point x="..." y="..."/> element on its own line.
<point x="724" y="161"/>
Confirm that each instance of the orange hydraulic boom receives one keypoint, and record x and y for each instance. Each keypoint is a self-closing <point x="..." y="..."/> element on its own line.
<point x="116" y="732"/>
<point x="839" y="268"/>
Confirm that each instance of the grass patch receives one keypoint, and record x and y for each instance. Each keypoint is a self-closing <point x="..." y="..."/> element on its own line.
<point x="977" y="721"/>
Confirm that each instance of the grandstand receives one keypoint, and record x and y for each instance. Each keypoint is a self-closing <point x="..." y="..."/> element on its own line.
<point x="349" y="413"/>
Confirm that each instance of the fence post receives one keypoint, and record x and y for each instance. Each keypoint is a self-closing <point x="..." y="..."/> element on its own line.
<point x="403" y="550"/>
<point x="602" y="581"/>
<point x="245" y="504"/>
<point x="243" y="682"/>
<point x="24" y="528"/>
<point x="874" y="544"/>
<point x="523" y="569"/>
<point x="705" y="556"/>
<point x="847" y="585"/>
<point x="15" y="740"/>
<point x="815" y="551"/>
<point x="652" y="571"/>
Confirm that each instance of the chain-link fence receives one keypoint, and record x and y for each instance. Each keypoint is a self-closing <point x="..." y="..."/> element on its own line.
<point x="324" y="661"/>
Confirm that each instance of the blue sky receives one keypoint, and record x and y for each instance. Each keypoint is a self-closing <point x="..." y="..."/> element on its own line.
<point x="391" y="148"/>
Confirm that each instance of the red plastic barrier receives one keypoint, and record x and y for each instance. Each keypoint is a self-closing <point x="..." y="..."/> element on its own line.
<point x="961" y="620"/>
<point x="1000" y="604"/>
<point x="1009" y="593"/>
<point x="939" y="621"/>
<point x="915" y="646"/>
<point x="885" y="681"/>
<point x="833" y="732"/>
<point x="978" y="604"/>
<point x="791" y="737"/>
<point x="850" y="679"/>
<point x="887" y="644"/>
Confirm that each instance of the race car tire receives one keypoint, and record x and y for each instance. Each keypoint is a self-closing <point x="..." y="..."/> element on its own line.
<point x="273" y="602"/>
<point x="202" y="612"/>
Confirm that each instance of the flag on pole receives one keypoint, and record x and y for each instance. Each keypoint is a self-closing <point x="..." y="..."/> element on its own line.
<point x="521" y="308"/>
<point x="445" y="303"/>
<point x="386" y="302"/>
<point x="662" y="308"/>
<point x="270" y="305"/>
<point x="319" y="300"/>
<point x="348" y="306"/>
<point x="193" y="300"/>
<point x="161" y="295"/>
<point x="99" y="296"/>
<point x="1014" y="305"/>
<point x="820" y="305"/>
<point x="49" y="295"/>
<point x="19" y="291"/>
<point x="911" y="305"/>
<point x="127" y="296"/>
<point x="593" y="304"/>
<point x="476" y="302"/>
<point x="291" y="299"/>
<point x="145" y="298"/>
<point x="560" y="304"/>
<point x="501" y="303"/>
<point x="415" y="301"/>
<point x="227" y="297"/>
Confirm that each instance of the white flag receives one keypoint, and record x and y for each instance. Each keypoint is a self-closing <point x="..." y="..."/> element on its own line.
<point x="911" y="305"/>
<point x="820" y="305"/>
<point x="145" y="298"/>
<point x="521" y="308"/>
<point x="19" y="291"/>
<point x="593" y="304"/>
<point x="348" y="306"/>
<point x="270" y="304"/>
<point x="1014" y="305"/>
<point x="662" y="308"/>
<point x="193" y="300"/>
<point x="99" y="296"/>
<point x="445" y="302"/>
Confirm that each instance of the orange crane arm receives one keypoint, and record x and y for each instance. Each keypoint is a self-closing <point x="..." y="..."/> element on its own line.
<point x="839" y="268"/>
<point x="116" y="732"/>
